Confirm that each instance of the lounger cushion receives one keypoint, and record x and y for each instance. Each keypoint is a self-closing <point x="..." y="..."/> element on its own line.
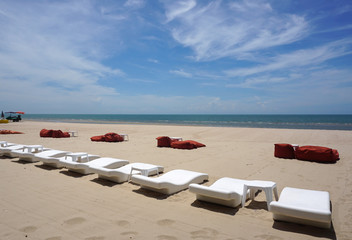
<point x="46" y="133"/>
<point x="316" y="153"/>
<point x="303" y="206"/>
<point x="283" y="150"/>
<point x="188" y="144"/>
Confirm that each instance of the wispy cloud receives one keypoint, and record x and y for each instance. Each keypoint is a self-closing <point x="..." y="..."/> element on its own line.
<point x="299" y="58"/>
<point x="221" y="29"/>
<point x="182" y="73"/>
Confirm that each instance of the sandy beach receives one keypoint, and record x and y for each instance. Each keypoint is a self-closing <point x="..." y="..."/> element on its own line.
<point x="42" y="203"/>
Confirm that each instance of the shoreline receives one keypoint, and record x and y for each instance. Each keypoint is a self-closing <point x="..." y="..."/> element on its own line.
<point x="45" y="203"/>
<point x="303" y="126"/>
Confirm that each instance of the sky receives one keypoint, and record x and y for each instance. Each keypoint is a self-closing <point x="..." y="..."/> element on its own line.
<point x="176" y="57"/>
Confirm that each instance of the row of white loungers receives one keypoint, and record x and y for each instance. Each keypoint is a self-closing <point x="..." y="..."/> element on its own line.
<point x="295" y="205"/>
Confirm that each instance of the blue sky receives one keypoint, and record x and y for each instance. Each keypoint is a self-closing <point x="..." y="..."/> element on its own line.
<point x="168" y="56"/>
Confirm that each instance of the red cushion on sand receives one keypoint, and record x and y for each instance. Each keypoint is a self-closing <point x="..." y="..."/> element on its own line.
<point x="335" y="154"/>
<point x="98" y="138"/>
<point x="66" y="135"/>
<point x="113" y="137"/>
<point x="9" y="132"/>
<point x="284" y="150"/>
<point x="57" y="134"/>
<point x="188" y="144"/>
<point x="316" y="153"/>
<point x="46" y="133"/>
<point x="164" y="141"/>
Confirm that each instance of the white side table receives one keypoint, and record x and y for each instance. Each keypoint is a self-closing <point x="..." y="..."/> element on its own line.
<point x="144" y="170"/>
<point x="176" y="138"/>
<point x="125" y="136"/>
<point x="295" y="146"/>
<point x="267" y="186"/>
<point x="3" y="143"/>
<point x="33" y="148"/>
<point x="77" y="157"/>
<point x="73" y="133"/>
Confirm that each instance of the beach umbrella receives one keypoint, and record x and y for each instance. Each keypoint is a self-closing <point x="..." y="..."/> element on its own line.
<point x="20" y="112"/>
<point x="2" y="114"/>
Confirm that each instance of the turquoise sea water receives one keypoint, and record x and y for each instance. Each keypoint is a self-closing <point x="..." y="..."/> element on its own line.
<point x="329" y="122"/>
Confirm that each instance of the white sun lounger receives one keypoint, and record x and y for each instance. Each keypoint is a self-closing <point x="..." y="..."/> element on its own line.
<point x="104" y="162"/>
<point x="27" y="149"/>
<point x="225" y="191"/>
<point x="171" y="182"/>
<point x="303" y="206"/>
<point x="70" y="163"/>
<point x="59" y="162"/>
<point x="6" y="151"/>
<point x="122" y="174"/>
<point x="35" y="157"/>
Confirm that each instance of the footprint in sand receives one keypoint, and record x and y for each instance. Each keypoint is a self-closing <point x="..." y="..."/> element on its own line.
<point x="165" y="222"/>
<point x="205" y="233"/>
<point x="123" y="223"/>
<point x="29" y="229"/>
<point x="74" y="221"/>
<point x="268" y="237"/>
<point x="95" y="238"/>
<point x="54" y="238"/>
<point x="166" y="237"/>
<point x="130" y="234"/>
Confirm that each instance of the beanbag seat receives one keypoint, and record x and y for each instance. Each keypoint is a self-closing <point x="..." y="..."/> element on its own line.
<point x="165" y="141"/>
<point x="109" y="137"/>
<point x="188" y="144"/>
<point x="100" y="138"/>
<point x="317" y="153"/>
<point x="9" y="132"/>
<point x="113" y="137"/>
<point x="284" y="150"/>
<point x="59" y="134"/>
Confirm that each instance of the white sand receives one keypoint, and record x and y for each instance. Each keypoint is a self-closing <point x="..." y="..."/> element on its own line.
<point x="41" y="203"/>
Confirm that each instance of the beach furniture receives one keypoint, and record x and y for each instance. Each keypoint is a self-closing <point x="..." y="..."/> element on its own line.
<point x="35" y="157"/>
<point x="124" y="173"/>
<point x="60" y="161"/>
<point x="225" y="191"/>
<point x="170" y="182"/>
<point x="165" y="141"/>
<point x="72" y="159"/>
<point x="27" y="150"/>
<point x="303" y="206"/>
<point x="187" y="144"/>
<point x="110" y="137"/>
<point x="104" y="162"/>
<point x="6" y="151"/>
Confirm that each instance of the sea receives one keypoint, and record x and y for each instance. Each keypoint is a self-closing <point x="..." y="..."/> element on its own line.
<point x="326" y="122"/>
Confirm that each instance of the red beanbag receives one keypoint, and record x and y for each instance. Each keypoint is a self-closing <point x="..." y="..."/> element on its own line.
<point x="113" y="137"/>
<point x="9" y="132"/>
<point x="316" y="153"/>
<point x="283" y="150"/>
<point x="188" y="144"/>
<point x="164" y="141"/>
<point x="98" y="138"/>
<point x="46" y="133"/>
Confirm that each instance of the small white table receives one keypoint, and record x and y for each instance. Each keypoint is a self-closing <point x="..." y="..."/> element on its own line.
<point x="33" y="148"/>
<point x="73" y="133"/>
<point x="125" y="136"/>
<point x="76" y="157"/>
<point x="295" y="146"/>
<point x="267" y="186"/>
<point x="176" y="138"/>
<point x="3" y="143"/>
<point x="144" y="170"/>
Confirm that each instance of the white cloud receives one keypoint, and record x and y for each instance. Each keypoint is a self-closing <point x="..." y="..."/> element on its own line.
<point x="300" y="58"/>
<point x="176" y="9"/>
<point x="235" y="30"/>
<point x="182" y="73"/>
